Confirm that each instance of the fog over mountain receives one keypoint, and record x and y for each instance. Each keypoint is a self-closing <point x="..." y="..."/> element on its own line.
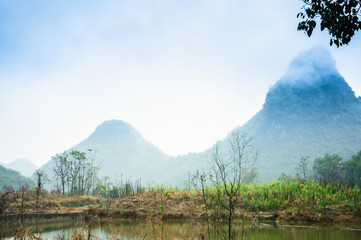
<point x="22" y="165"/>
<point x="310" y="111"/>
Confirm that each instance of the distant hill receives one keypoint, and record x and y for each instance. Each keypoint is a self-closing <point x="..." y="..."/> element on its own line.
<point x="123" y="152"/>
<point x="12" y="178"/>
<point x="22" y="165"/>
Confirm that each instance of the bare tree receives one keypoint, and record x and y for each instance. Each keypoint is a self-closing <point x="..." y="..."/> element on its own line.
<point x="229" y="170"/>
<point x="41" y="178"/>
<point x="6" y="197"/>
<point x="91" y="171"/>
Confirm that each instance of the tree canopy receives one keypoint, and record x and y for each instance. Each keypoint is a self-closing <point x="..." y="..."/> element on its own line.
<point x="340" y="17"/>
<point x="353" y="169"/>
<point x="329" y="168"/>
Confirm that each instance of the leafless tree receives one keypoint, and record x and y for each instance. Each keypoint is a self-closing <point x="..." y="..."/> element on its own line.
<point x="230" y="169"/>
<point x="41" y="178"/>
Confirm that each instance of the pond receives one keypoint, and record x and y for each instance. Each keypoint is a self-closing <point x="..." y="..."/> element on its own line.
<point x="142" y="229"/>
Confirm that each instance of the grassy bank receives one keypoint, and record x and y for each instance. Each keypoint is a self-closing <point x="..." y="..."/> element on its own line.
<point x="49" y="203"/>
<point x="284" y="201"/>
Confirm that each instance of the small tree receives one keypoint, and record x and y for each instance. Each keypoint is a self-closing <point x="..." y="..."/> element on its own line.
<point x="61" y="168"/>
<point x="353" y="169"/>
<point x="6" y="197"/>
<point x="40" y="178"/>
<point x="230" y="170"/>
<point x="201" y="178"/>
<point x="303" y="173"/>
<point x="329" y="168"/>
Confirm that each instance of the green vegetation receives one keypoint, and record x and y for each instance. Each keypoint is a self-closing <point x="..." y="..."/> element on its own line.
<point x="12" y="178"/>
<point x="107" y="189"/>
<point x="329" y="168"/>
<point x="308" y="201"/>
<point x="353" y="170"/>
<point x="332" y="169"/>
<point x="294" y="195"/>
<point x="22" y="165"/>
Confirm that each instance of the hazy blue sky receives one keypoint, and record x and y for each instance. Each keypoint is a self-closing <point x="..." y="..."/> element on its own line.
<point x="184" y="73"/>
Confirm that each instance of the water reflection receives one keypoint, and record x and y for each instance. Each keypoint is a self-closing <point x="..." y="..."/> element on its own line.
<point x="141" y="229"/>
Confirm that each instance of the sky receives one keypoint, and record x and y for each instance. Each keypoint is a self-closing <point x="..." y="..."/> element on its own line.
<point x="183" y="73"/>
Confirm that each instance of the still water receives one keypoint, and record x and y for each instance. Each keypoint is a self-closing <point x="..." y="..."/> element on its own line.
<point x="141" y="229"/>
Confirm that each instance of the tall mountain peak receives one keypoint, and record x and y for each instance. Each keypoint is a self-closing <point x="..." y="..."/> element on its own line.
<point x="311" y="80"/>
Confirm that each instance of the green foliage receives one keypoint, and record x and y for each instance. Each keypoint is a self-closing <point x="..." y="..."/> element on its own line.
<point x="341" y="18"/>
<point x="289" y="195"/>
<point x="353" y="170"/>
<point x="106" y="188"/>
<point x="295" y="195"/>
<point x="168" y="193"/>
<point x="13" y="178"/>
<point x="329" y="168"/>
<point x="285" y="178"/>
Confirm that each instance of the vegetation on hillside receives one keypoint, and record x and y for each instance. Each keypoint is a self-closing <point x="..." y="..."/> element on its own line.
<point x="12" y="178"/>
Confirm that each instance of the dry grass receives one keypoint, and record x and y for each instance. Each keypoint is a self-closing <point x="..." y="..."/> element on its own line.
<point x="52" y="203"/>
<point x="77" y="201"/>
<point x="157" y="204"/>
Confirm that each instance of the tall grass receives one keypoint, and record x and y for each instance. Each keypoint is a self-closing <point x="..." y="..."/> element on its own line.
<point x="295" y="195"/>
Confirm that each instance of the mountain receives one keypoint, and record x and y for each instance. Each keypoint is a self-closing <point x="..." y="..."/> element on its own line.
<point x="123" y="153"/>
<point x="22" y="165"/>
<point x="12" y="178"/>
<point x="308" y="112"/>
